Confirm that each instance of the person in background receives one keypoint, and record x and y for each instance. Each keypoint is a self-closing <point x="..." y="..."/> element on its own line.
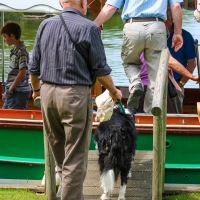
<point x="186" y="56"/>
<point x="66" y="100"/>
<point x="197" y="11"/>
<point x="144" y="31"/>
<point x="17" y="87"/>
<point x="172" y="65"/>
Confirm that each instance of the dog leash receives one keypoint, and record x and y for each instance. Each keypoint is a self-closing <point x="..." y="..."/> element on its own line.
<point x="121" y="105"/>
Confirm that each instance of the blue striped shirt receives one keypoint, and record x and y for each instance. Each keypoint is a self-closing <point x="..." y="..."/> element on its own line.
<point x="142" y="8"/>
<point x="55" y="58"/>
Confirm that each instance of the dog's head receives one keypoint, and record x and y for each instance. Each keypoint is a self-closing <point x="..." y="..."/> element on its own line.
<point x="118" y="131"/>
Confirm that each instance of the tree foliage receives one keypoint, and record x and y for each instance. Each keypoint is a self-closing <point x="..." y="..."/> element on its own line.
<point x="13" y="15"/>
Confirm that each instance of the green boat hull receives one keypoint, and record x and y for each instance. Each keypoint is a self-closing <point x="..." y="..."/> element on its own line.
<point x="22" y="155"/>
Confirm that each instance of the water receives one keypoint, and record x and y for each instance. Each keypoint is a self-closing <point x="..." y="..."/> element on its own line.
<point x="29" y="30"/>
<point x="112" y="39"/>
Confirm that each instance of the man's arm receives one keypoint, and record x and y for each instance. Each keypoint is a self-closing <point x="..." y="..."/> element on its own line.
<point x="179" y="68"/>
<point x="107" y="82"/>
<point x="191" y="64"/>
<point x="105" y="14"/>
<point x="35" y="83"/>
<point x="177" y="40"/>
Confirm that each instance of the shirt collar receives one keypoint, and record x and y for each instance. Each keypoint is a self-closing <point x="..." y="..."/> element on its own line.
<point x="73" y="10"/>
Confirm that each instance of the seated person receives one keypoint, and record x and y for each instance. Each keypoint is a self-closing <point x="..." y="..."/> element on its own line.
<point x="173" y="65"/>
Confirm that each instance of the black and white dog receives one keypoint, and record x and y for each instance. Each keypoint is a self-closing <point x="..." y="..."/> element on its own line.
<point x="116" y="140"/>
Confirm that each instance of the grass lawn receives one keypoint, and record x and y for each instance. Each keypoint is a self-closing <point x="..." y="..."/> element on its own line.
<point x="20" y="194"/>
<point x="184" y="196"/>
<point x="25" y="194"/>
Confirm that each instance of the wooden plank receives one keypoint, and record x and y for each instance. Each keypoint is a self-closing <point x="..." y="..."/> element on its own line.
<point x="181" y="188"/>
<point x="139" y="184"/>
<point x="96" y="197"/>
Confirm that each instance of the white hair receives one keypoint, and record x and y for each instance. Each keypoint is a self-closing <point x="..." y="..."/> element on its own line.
<point x="66" y="1"/>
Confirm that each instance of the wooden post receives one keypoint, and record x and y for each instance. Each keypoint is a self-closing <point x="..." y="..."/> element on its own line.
<point x="164" y="117"/>
<point x="50" y="180"/>
<point x="186" y="4"/>
<point x="196" y="44"/>
<point x="162" y="74"/>
<point x="2" y="56"/>
<point x="195" y="4"/>
<point x="159" y="126"/>
<point x="157" y="159"/>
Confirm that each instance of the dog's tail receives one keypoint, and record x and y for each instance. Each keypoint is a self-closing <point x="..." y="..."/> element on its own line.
<point x="107" y="180"/>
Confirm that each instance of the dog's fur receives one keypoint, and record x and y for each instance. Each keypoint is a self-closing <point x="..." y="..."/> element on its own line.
<point x="116" y="140"/>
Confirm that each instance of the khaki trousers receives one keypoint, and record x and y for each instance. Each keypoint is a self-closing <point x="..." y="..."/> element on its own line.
<point x="67" y="115"/>
<point x="150" y="38"/>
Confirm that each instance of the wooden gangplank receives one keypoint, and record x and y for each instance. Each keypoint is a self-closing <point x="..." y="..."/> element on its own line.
<point x="139" y="186"/>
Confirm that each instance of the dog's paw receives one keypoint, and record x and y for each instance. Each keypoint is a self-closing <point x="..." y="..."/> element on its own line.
<point x="129" y="175"/>
<point x="96" y="146"/>
<point x="105" y="197"/>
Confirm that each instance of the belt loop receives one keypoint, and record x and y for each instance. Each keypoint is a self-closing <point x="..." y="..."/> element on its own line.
<point x="131" y="20"/>
<point x="157" y="19"/>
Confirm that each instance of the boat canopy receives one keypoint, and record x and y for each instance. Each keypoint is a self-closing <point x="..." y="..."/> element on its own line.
<point x="39" y="6"/>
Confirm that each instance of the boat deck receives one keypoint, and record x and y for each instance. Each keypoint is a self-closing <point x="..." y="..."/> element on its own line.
<point x="139" y="186"/>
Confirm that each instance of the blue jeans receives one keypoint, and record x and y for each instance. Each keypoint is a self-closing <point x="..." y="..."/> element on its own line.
<point x="17" y="100"/>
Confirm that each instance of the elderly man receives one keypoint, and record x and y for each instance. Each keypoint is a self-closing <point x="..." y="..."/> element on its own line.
<point x="67" y="60"/>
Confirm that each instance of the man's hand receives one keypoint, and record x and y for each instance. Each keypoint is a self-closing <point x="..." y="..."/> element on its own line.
<point x="116" y="95"/>
<point x="35" y="94"/>
<point x="196" y="78"/>
<point x="177" y="42"/>
<point x="3" y="96"/>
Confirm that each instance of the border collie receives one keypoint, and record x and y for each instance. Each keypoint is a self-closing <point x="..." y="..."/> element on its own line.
<point x="116" y="141"/>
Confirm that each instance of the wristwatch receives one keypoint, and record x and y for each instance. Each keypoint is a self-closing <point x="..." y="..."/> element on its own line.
<point x="181" y="83"/>
<point x="36" y="90"/>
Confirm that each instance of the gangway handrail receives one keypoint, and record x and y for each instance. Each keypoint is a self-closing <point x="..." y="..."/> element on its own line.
<point x="159" y="107"/>
<point x="162" y="75"/>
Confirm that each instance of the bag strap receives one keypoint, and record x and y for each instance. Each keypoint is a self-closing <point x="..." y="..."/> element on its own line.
<point x="78" y="48"/>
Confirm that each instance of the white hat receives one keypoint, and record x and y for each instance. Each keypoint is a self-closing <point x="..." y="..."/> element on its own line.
<point x="105" y="106"/>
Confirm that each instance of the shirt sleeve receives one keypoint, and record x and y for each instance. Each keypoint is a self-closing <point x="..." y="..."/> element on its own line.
<point x="23" y="58"/>
<point x="97" y="55"/>
<point x="34" y="64"/>
<point x="170" y="2"/>
<point x="189" y="47"/>
<point x="116" y="3"/>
